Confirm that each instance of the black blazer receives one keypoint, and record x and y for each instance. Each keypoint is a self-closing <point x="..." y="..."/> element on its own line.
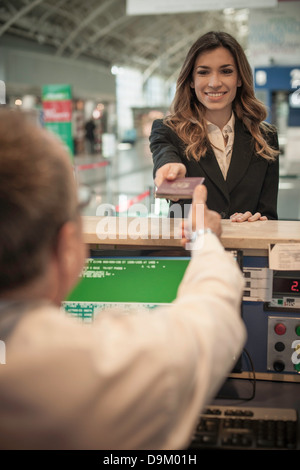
<point x="252" y="181"/>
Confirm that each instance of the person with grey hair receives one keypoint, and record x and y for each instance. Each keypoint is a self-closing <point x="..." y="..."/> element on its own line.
<point x="126" y="381"/>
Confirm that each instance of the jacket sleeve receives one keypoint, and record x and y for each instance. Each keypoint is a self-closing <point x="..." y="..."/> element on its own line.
<point x="268" y="198"/>
<point x="164" y="145"/>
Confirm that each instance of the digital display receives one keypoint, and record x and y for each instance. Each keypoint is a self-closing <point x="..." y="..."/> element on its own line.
<point x="123" y="282"/>
<point x="143" y="279"/>
<point x="289" y="286"/>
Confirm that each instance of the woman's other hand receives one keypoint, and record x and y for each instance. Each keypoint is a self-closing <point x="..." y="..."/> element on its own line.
<point x="247" y="216"/>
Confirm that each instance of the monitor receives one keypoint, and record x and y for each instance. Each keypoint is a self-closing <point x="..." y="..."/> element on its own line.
<point x="143" y="279"/>
<point x="118" y="278"/>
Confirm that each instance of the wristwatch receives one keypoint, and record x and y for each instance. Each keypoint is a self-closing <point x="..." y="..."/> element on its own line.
<point x="200" y="233"/>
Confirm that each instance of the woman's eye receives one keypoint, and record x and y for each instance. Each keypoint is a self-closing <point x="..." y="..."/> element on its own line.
<point x="223" y="71"/>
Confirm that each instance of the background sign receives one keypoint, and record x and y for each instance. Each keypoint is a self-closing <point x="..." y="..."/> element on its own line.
<point x="274" y="35"/>
<point x="57" y="108"/>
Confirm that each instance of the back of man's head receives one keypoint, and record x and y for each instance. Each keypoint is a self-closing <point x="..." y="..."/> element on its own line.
<point x="37" y="196"/>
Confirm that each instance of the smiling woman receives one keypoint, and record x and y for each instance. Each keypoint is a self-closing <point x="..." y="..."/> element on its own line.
<point x="216" y="130"/>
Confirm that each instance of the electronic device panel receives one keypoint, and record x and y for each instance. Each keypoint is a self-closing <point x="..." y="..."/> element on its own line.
<point x="271" y="312"/>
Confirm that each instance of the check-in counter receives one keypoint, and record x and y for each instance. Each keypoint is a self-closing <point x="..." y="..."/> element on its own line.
<point x="162" y="232"/>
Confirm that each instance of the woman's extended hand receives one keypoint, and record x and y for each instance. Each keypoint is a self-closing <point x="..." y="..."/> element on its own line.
<point x="247" y="216"/>
<point x="170" y="171"/>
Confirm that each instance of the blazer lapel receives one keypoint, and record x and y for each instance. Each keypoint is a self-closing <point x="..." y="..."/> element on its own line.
<point x="211" y="168"/>
<point x="241" y="155"/>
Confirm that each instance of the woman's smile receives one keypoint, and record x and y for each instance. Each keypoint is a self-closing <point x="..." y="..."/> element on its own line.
<point x="215" y="95"/>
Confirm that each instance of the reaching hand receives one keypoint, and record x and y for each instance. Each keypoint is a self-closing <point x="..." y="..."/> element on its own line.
<point x="200" y="217"/>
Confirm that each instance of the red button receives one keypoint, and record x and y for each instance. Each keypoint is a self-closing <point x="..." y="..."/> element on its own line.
<point x="280" y="329"/>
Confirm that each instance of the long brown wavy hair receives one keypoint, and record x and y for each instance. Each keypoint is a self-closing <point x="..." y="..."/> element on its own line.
<point x="187" y="113"/>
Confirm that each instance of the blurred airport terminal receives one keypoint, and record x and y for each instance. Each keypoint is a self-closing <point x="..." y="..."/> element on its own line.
<point x="97" y="73"/>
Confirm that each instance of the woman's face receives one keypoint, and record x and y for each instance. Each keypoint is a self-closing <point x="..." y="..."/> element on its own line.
<point x="215" y="81"/>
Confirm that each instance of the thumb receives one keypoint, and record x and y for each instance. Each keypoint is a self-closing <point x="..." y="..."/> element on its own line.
<point x="172" y="174"/>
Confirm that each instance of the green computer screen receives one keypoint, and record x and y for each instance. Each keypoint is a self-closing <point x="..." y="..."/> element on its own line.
<point x="125" y="281"/>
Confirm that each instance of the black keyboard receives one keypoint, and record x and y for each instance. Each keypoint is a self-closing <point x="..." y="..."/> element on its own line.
<point x="228" y="427"/>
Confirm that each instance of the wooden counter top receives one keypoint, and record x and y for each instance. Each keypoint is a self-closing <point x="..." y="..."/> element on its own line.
<point x="259" y="235"/>
<point x="163" y="232"/>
